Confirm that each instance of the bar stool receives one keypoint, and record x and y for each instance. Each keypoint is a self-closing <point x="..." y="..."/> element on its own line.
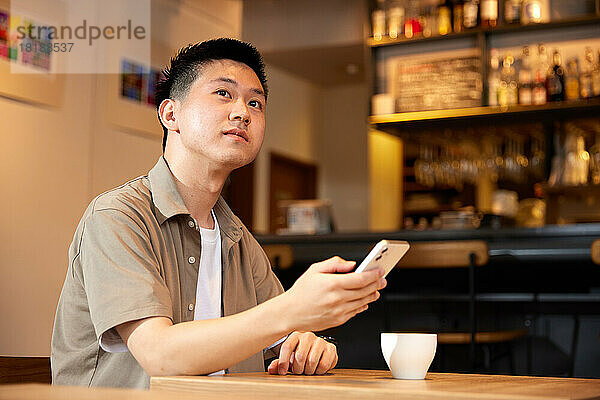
<point x="281" y="256"/>
<point x="25" y="370"/>
<point x="469" y="254"/>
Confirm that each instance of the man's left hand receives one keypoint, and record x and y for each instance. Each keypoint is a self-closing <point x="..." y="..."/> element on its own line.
<point x="306" y="353"/>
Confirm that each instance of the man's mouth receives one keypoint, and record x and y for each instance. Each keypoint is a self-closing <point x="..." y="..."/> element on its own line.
<point x="237" y="132"/>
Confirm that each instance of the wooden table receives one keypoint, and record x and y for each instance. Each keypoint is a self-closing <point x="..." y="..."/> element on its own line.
<point x="340" y="384"/>
<point x="349" y="384"/>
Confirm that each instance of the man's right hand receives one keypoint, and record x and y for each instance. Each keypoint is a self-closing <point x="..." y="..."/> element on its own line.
<point x="323" y="297"/>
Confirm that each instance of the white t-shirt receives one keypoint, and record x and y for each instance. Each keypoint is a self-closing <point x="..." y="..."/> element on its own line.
<point x="208" y="289"/>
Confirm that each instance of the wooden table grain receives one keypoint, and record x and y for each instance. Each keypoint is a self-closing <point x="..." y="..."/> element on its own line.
<point x="39" y="391"/>
<point x="346" y="384"/>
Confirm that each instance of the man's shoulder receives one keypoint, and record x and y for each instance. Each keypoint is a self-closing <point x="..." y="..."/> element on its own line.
<point x="132" y="196"/>
<point x="129" y="202"/>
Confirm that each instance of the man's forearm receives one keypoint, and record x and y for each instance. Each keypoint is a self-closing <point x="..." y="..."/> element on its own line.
<point x="202" y="347"/>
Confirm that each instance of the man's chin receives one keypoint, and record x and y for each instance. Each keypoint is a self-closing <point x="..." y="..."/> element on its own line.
<point x="235" y="163"/>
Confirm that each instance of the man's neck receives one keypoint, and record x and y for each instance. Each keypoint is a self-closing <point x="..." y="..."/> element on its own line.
<point x="199" y="185"/>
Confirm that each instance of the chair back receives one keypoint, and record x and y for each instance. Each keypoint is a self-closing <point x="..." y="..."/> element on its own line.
<point x="596" y="251"/>
<point x="447" y="254"/>
<point x="281" y="256"/>
<point x="25" y="370"/>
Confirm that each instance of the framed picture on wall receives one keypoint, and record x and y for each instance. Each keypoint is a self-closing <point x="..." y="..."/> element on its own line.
<point x="27" y="62"/>
<point x="130" y="95"/>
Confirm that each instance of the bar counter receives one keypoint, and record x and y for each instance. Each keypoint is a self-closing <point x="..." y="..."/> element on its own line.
<point x="549" y="260"/>
<point x="519" y="253"/>
<point x="548" y="243"/>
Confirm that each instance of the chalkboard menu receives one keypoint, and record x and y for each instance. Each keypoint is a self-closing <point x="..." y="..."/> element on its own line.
<point x="435" y="81"/>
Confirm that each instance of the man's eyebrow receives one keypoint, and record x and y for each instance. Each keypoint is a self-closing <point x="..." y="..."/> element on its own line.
<point x="234" y="82"/>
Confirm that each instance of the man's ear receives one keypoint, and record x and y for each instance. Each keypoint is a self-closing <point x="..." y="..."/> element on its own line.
<point x="166" y="111"/>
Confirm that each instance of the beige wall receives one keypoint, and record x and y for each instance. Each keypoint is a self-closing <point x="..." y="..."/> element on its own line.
<point x="292" y="129"/>
<point x="45" y="169"/>
<point x="343" y="174"/>
<point x="56" y="159"/>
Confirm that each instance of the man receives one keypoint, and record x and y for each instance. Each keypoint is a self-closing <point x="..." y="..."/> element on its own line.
<point x="163" y="279"/>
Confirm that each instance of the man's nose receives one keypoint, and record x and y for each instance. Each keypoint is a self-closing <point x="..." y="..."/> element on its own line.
<point x="240" y="112"/>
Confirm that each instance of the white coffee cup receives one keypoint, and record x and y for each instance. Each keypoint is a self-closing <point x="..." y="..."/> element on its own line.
<point x="408" y="355"/>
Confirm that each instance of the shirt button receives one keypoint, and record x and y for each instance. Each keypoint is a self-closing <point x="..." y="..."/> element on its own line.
<point x="191" y="307"/>
<point x="191" y="224"/>
<point x="192" y="259"/>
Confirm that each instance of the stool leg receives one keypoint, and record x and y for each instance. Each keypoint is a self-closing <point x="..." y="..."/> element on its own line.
<point x="386" y="313"/>
<point x="487" y="357"/>
<point x="511" y="358"/>
<point x="472" y="319"/>
<point x="574" y="343"/>
<point x="529" y="354"/>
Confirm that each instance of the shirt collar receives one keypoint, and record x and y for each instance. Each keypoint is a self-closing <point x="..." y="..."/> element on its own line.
<point x="168" y="201"/>
<point x="165" y="195"/>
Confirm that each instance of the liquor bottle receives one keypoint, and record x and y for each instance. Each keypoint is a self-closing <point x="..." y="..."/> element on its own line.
<point x="572" y="79"/>
<point x="571" y="167"/>
<point x="595" y="161"/>
<point x="444" y="17"/>
<point x="537" y="161"/>
<point x="585" y="78"/>
<point x="508" y="91"/>
<point x="412" y="25"/>
<point x="583" y="160"/>
<point x="395" y="19"/>
<point x="458" y="15"/>
<point x="493" y="78"/>
<point x="535" y="12"/>
<point x="489" y="13"/>
<point x="378" y="20"/>
<point x="596" y="77"/>
<point x="471" y="14"/>
<point x="576" y="158"/>
<point x="541" y="71"/>
<point x="423" y="20"/>
<point x="555" y="81"/>
<point x="525" y="78"/>
<point x="511" y="79"/>
<point x="512" y="11"/>
<point x="429" y="22"/>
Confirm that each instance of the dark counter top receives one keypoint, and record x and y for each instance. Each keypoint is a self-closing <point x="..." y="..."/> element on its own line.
<point x="574" y="230"/>
<point x="556" y="243"/>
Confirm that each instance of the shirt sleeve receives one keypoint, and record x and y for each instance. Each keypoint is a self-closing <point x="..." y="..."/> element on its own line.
<point x="266" y="284"/>
<point x="121" y="275"/>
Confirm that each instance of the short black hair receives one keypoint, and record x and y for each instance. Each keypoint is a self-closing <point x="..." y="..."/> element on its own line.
<point x="187" y="64"/>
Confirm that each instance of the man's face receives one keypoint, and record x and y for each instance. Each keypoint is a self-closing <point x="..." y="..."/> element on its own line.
<point x="223" y="117"/>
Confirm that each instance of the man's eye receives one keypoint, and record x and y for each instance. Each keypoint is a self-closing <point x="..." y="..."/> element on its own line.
<point x="222" y="92"/>
<point x="254" y="103"/>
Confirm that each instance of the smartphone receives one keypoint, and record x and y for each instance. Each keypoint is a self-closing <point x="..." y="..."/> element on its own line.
<point x="385" y="254"/>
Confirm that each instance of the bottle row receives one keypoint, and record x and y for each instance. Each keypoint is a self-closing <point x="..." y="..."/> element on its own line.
<point x="413" y="18"/>
<point x="537" y="77"/>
